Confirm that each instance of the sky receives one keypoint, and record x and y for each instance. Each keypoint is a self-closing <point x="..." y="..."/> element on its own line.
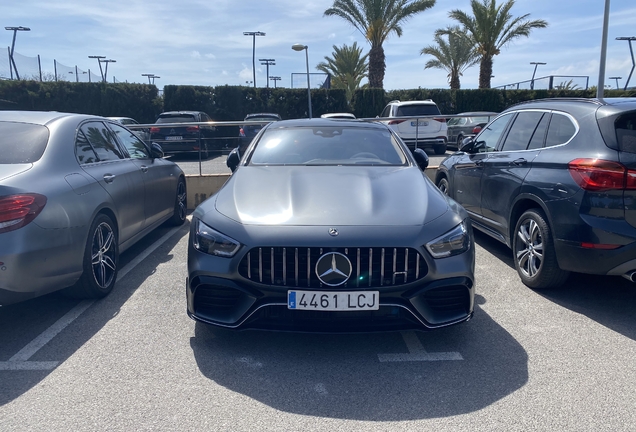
<point x="201" y="42"/>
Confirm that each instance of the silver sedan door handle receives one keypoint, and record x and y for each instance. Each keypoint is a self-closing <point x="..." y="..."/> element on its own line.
<point x="108" y="178"/>
<point x="144" y="168"/>
<point x="520" y="161"/>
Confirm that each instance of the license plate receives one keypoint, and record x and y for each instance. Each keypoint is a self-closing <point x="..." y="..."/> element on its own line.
<point x="421" y="123"/>
<point x="333" y="301"/>
<point x="174" y="138"/>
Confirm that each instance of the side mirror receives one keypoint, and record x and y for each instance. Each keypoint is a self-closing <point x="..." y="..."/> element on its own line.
<point x="467" y="145"/>
<point x="156" y="152"/>
<point x="421" y="158"/>
<point x="233" y="160"/>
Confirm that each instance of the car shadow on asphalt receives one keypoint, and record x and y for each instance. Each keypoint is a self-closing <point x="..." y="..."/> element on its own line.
<point x="14" y="383"/>
<point x="342" y="376"/>
<point x="608" y="300"/>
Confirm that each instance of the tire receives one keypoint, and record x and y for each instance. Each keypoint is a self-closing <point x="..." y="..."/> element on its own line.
<point x="534" y="254"/>
<point x="458" y="143"/>
<point x="100" y="262"/>
<point x="442" y="184"/>
<point x="180" y="205"/>
<point x="439" y="149"/>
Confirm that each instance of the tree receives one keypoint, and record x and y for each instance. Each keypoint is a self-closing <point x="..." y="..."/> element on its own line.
<point x="492" y="27"/>
<point x="376" y="20"/>
<point x="567" y="85"/>
<point x="454" y="56"/>
<point x="347" y="67"/>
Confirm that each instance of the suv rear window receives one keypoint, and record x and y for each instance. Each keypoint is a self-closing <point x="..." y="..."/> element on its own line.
<point x="22" y="142"/>
<point x="181" y="118"/>
<point x="626" y="132"/>
<point x="417" y="110"/>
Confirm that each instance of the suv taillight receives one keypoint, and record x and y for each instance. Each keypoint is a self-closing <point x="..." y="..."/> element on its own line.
<point x="599" y="174"/>
<point x="192" y="129"/>
<point x="17" y="211"/>
<point x="393" y="122"/>
<point x="476" y="129"/>
<point x="441" y="120"/>
<point x="154" y="130"/>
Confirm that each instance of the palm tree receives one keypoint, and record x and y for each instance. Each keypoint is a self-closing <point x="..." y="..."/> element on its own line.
<point x="376" y="20"/>
<point x="492" y="26"/>
<point x="454" y="56"/>
<point x="347" y="66"/>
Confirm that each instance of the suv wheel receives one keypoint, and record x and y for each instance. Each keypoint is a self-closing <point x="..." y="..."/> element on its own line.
<point x="534" y="255"/>
<point x="442" y="184"/>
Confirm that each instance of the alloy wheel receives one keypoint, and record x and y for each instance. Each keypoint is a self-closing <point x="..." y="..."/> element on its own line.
<point x="529" y="253"/>
<point x="103" y="255"/>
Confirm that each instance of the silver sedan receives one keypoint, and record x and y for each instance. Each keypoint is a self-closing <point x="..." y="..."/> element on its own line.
<point x="75" y="191"/>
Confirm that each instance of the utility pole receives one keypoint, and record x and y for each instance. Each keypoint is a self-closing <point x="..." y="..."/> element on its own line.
<point x="99" y="61"/>
<point x="12" y="66"/>
<point x="534" y="72"/>
<point x="275" y="78"/>
<point x="254" y="34"/>
<point x="268" y="63"/>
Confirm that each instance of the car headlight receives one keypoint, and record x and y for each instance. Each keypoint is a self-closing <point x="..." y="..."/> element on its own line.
<point x="210" y="241"/>
<point x="454" y="242"/>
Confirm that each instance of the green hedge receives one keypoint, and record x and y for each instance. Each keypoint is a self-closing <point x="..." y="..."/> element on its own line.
<point x="231" y="103"/>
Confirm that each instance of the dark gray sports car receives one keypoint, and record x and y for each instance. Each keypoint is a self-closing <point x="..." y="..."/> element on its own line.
<point x="75" y="191"/>
<point x="333" y="227"/>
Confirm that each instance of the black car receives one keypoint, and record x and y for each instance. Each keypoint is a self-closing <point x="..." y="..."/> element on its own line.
<point x="192" y="137"/>
<point x="249" y="130"/>
<point x="330" y="226"/>
<point x="555" y="180"/>
<point x="466" y="126"/>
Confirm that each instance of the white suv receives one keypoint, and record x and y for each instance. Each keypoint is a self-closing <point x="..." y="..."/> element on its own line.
<point x="418" y="129"/>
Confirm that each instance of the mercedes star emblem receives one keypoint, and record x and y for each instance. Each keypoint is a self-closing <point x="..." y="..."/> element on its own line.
<point x="333" y="269"/>
<point x="333" y="232"/>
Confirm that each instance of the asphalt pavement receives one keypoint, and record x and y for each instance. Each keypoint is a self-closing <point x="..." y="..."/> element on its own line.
<point x="528" y="361"/>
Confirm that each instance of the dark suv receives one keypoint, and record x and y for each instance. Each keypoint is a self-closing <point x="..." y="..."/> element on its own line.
<point x="189" y="138"/>
<point x="555" y="180"/>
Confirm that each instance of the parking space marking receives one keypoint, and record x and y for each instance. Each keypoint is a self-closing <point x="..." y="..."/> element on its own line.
<point x="417" y="352"/>
<point x="20" y="360"/>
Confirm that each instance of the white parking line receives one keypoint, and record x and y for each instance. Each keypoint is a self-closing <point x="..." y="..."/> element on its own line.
<point x="20" y="360"/>
<point x="417" y="352"/>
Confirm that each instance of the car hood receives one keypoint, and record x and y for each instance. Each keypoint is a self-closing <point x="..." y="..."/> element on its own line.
<point x="315" y="195"/>
<point x="9" y="170"/>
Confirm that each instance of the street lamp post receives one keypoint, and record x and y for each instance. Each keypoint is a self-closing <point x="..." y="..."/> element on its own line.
<point x="153" y="76"/>
<point x="254" y="34"/>
<point x="268" y="63"/>
<point x="300" y="47"/>
<point x="534" y="72"/>
<point x="629" y="39"/>
<point x="615" y="78"/>
<point x="275" y="78"/>
<point x="12" y="65"/>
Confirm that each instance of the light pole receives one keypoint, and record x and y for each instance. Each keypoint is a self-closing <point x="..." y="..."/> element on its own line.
<point x="300" y="47"/>
<point x="275" y="78"/>
<point x="616" y="78"/>
<point x="534" y="72"/>
<point x="629" y="39"/>
<point x="12" y="65"/>
<point x="153" y="76"/>
<point x="106" y="69"/>
<point x="99" y="61"/>
<point x="254" y="34"/>
<point x="268" y="63"/>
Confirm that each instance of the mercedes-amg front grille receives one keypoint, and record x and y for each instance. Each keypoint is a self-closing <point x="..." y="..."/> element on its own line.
<point x="295" y="266"/>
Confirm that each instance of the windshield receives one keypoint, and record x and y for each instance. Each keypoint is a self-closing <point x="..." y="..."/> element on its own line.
<point x="22" y="142"/>
<point x="327" y="146"/>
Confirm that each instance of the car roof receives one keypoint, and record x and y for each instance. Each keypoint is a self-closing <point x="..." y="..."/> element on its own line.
<point x="172" y="113"/>
<point x="414" y="102"/>
<point x="262" y="115"/>
<point x="477" y="113"/>
<point x="39" y="117"/>
<point x="325" y="122"/>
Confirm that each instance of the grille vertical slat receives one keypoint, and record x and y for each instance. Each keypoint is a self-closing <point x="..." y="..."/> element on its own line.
<point x="381" y="266"/>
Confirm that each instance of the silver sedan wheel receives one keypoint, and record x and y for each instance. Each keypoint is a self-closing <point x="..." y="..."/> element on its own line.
<point x="103" y="255"/>
<point x="182" y="198"/>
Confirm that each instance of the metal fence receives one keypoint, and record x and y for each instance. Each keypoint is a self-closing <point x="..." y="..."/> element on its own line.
<point x="551" y="82"/>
